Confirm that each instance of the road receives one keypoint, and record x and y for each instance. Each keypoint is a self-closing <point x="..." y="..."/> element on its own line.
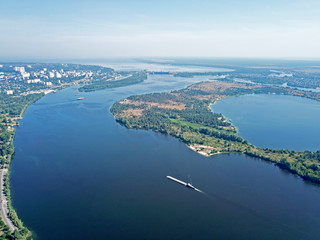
<point x="4" y="203"/>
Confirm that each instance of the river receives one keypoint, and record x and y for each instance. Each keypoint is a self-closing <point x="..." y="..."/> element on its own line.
<point x="77" y="174"/>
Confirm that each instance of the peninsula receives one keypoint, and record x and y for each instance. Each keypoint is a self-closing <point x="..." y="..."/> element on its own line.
<point x="186" y="114"/>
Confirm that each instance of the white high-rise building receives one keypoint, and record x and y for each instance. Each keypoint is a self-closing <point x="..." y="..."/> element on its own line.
<point x="37" y="80"/>
<point x="51" y="74"/>
<point x="58" y="75"/>
<point x="19" y="69"/>
<point x="25" y="75"/>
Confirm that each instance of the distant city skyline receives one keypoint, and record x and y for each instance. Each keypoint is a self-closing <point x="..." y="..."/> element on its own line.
<point x="106" y="29"/>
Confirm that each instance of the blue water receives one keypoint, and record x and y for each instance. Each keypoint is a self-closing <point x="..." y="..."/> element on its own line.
<point x="274" y="121"/>
<point x="77" y="174"/>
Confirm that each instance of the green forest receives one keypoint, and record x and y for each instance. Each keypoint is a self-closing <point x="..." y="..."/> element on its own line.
<point x="103" y="84"/>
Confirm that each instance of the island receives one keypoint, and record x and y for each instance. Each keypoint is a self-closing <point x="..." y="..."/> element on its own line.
<point x="186" y="115"/>
<point x="134" y="78"/>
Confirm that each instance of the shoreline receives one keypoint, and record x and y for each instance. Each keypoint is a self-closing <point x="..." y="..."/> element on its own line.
<point x="200" y="149"/>
<point x="8" y="214"/>
<point x="225" y="118"/>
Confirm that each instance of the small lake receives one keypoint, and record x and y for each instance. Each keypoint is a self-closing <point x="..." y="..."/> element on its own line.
<point x="274" y="121"/>
<point x="77" y="174"/>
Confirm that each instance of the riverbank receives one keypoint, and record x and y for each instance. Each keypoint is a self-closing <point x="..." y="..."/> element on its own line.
<point x="185" y="114"/>
<point x="11" y="226"/>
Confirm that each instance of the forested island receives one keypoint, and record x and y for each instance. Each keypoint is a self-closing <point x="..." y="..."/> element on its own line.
<point x="186" y="114"/>
<point x="113" y="83"/>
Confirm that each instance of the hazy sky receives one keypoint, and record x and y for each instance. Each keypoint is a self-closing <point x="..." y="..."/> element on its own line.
<point x="140" y="28"/>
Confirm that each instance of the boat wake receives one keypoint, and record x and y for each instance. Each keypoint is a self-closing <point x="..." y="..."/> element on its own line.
<point x="198" y="190"/>
<point x="237" y="205"/>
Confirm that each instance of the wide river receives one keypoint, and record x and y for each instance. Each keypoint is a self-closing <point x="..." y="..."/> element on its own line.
<point x="77" y="174"/>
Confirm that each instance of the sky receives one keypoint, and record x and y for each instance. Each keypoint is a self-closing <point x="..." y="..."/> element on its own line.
<point x="166" y="28"/>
